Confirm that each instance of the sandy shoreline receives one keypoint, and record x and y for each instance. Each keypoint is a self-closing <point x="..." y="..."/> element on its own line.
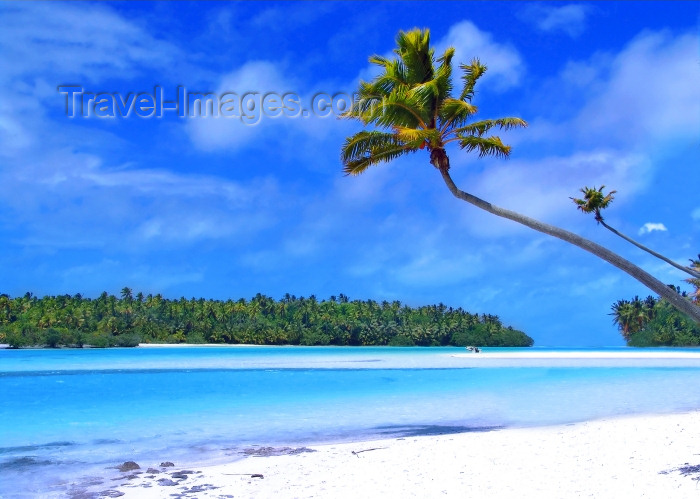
<point x="639" y="456"/>
<point x="357" y="357"/>
<point x="492" y="353"/>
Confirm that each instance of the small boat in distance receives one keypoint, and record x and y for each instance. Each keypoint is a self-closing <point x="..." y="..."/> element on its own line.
<point x="473" y="349"/>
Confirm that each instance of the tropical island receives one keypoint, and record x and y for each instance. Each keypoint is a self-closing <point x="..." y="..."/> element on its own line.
<point x="653" y="322"/>
<point x="107" y="321"/>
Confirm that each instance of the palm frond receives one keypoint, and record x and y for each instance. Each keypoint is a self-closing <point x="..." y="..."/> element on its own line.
<point x="365" y="149"/>
<point x="397" y="108"/>
<point x="455" y="113"/>
<point x="356" y="167"/>
<point x="443" y="73"/>
<point x="480" y="128"/>
<point x="415" y="53"/>
<point x="426" y="93"/>
<point x="394" y="75"/>
<point x="416" y="137"/>
<point x="582" y="205"/>
<point x="380" y="60"/>
<point x="400" y="109"/>
<point x="365" y="100"/>
<point x="486" y="146"/>
<point x="472" y="73"/>
<point x="509" y="123"/>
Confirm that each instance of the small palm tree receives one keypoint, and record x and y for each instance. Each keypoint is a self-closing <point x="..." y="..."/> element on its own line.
<point x="410" y="107"/>
<point x="594" y="201"/>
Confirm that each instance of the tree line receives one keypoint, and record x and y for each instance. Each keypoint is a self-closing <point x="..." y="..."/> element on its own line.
<point x="654" y="322"/>
<point x="128" y="320"/>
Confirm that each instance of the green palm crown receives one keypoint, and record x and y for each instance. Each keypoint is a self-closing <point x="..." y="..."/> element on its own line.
<point x="593" y="201"/>
<point x="411" y="106"/>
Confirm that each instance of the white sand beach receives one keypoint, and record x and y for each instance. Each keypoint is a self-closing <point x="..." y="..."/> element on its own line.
<point x="428" y="357"/>
<point x="630" y="457"/>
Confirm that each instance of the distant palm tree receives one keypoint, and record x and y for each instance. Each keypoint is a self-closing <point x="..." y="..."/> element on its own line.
<point x="410" y="107"/>
<point x="625" y="316"/>
<point x="127" y="294"/>
<point x="594" y="201"/>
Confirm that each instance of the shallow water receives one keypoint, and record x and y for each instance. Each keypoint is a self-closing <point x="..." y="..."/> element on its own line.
<point x="70" y="413"/>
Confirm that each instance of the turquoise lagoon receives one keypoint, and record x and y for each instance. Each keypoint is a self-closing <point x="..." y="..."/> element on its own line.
<point x="70" y="414"/>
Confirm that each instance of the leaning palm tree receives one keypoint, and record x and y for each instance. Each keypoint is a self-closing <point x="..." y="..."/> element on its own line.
<point x="594" y="201"/>
<point x="695" y="281"/>
<point x="410" y="107"/>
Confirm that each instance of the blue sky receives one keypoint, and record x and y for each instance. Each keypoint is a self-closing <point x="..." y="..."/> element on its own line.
<point x="212" y="207"/>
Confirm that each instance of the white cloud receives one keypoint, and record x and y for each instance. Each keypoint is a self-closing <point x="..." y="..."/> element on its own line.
<point x="570" y="19"/>
<point x="68" y="40"/>
<point x="648" y="93"/>
<point x="436" y="269"/>
<point x="634" y="101"/>
<point x="258" y="78"/>
<point x="652" y="91"/>
<point x="603" y="284"/>
<point x="651" y="227"/>
<point x="45" y="44"/>
<point x="64" y="199"/>
<point x="255" y="77"/>
<point x="262" y="76"/>
<point x="541" y="188"/>
<point x="505" y="66"/>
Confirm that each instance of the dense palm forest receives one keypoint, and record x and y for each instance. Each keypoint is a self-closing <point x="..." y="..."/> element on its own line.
<point x="654" y="322"/>
<point x="131" y="319"/>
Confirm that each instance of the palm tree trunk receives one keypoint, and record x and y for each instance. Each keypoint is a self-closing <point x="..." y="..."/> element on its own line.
<point x="645" y="278"/>
<point x="651" y="252"/>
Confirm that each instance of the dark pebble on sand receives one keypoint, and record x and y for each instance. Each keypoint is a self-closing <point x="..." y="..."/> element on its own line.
<point x="152" y="470"/>
<point x="197" y="489"/>
<point x="201" y="488"/>
<point x="688" y="469"/>
<point x="111" y="493"/>
<point x="128" y="466"/>
<point x="166" y="464"/>
<point x="179" y="475"/>
<point x="166" y="482"/>
<point x="82" y="494"/>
